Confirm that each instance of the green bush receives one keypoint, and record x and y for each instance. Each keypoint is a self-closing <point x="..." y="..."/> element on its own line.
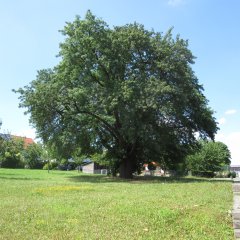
<point x="232" y="174"/>
<point x="12" y="161"/>
<point x="52" y="165"/>
<point x="46" y="166"/>
<point x="223" y="174"/>
<point x="11" y="154"/>
<point x="34" y="164"/>
<point x="32" y="156"/>
<point x="208" y="159"/>
<point x="208" y="174"/>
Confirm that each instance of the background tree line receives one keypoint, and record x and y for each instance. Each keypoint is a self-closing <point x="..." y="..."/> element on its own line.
<point x="14" y="154"/>
<point x="207" y="159"/>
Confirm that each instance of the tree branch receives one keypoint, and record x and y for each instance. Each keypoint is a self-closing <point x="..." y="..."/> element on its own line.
<point x="95" y="79"/>
<point x="102" y="66"/>
<point x="107" y="125"/>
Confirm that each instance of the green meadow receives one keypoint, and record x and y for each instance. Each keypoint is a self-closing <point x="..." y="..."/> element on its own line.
<point x="35" y="204"/>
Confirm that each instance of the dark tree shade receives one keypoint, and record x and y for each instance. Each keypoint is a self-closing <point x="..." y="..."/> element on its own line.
<point x="126" y="91"/>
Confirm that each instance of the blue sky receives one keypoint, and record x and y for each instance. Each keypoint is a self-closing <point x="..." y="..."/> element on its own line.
<point x="30" y="39"/>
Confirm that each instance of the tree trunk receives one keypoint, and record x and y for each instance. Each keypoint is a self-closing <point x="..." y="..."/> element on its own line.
<point x="126" y="168"/>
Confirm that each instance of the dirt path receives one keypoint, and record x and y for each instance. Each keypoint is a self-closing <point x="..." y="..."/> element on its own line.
<point x="236" y="207"/>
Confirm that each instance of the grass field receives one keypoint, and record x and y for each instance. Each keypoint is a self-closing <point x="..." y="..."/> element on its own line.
<point x="69" y="205"/>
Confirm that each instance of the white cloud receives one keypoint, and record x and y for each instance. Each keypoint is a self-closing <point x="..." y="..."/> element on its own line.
<point x="232" y="140"/>
<point x="221" y="121"/>
<point x="175" y="3"/>
<point x="220" y="137"/>
<point x="230" y="111"/>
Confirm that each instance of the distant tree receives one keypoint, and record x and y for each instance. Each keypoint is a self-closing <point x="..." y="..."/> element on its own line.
<point x="11" y="153"/>
<point x="128" y="91"/>
<point x="209" y="158"/>
<point x="33" y="156"/>
<point x="2" y="150"/>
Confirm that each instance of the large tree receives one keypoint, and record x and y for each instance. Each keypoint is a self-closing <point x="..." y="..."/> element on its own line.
<point x="125" y="90"/>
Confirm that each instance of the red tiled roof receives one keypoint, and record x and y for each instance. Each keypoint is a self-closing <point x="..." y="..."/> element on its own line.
<point x="27" y="141"/>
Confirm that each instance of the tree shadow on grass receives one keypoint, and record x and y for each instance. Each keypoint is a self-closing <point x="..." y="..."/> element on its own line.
<point x="163" y="179"/>
<point x="9" y="174"/>
<point x="18" y="178"/>
<point x="141" y="179"/>
<point x="95" y="178"/>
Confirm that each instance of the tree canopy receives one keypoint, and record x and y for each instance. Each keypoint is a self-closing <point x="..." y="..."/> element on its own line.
<point x="11" y="153"/>
<point x="14" y="153"/>
<point x="209" y="158"/>
<point x="125" y="91"/>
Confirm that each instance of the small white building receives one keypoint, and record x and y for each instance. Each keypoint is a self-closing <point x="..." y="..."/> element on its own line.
<point x="236" y="169"/>
<point x="94" y="168"/>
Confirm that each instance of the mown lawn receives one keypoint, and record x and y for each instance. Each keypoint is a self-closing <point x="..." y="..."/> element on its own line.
<point x="69" y="205"/>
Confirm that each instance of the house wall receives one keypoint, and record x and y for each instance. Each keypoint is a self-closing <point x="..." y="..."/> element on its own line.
<point x="101" y="171"/>
<point x="89" y="168"/>
<point x="236" y="169"/>
<point x="94" y="168"/>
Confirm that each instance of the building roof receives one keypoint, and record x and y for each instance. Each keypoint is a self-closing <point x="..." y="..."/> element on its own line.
<point x="5" y="136"/>
<point x="86" y="161"/>
<point x="27" y="141"/>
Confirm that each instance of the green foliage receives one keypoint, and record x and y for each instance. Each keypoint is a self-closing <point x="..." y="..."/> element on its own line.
<point x="222" y="174"/>
<point x="63" y="161"/>
<point x="47" y="166"/>
<point x="33" y="156"/>
<point x="107" y="160"/>
<point x="209" y="158"/>
<point x="50" y="166"/>
<point x="232" y="174"/>
<point x="11" y="153"/>
<point x="128" y="91"/>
